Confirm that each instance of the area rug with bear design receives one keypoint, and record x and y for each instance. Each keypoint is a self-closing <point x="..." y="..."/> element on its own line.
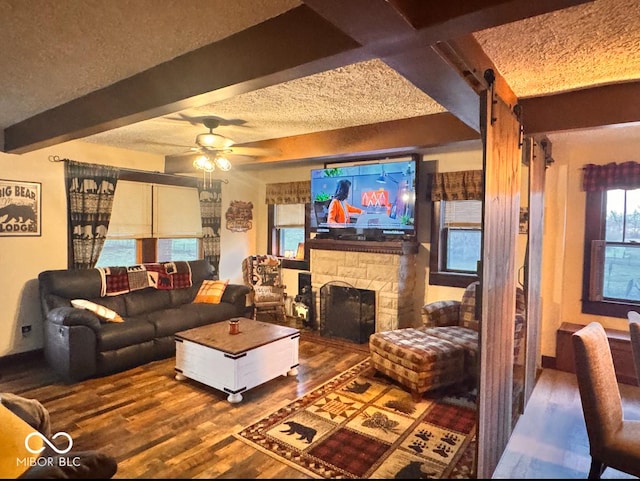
<point x="361" y="424"/>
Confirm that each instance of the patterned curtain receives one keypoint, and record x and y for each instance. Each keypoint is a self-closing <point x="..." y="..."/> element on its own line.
<point x="210" y="194"/>
<point x="289" y="193"/>
<point x="90" y="192"/>
<point x="466" y="185"/>
<point x="611" y="176"/>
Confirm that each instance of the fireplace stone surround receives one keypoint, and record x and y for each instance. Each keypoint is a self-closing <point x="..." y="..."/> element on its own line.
<point x="388" y="268"/>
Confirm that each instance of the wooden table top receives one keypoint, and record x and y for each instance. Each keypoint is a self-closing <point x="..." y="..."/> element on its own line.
<point x="252" y="334"/>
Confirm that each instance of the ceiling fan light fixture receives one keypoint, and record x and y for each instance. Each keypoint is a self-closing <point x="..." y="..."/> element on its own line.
<point x="222" y="163"/>
<point x="211" y="140"/>
<point x="203" y="162"/>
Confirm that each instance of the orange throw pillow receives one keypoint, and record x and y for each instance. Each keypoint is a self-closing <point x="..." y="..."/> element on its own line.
<point x="210" y="292"/>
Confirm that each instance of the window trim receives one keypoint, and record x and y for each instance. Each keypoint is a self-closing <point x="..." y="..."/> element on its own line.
<point x="595" y="225"/>
<point x="437" y="275"/>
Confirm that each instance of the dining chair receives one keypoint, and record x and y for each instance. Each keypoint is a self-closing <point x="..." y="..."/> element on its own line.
<point x="634" y="332"/>
<point x="613" y="440"/>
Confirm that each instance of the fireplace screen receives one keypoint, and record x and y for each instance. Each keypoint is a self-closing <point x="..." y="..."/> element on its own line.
<point x="347" y="312"/>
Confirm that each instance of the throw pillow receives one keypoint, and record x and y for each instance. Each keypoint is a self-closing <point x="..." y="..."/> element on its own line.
<point x="210" y="292"/>
<point x="100" y="311"/>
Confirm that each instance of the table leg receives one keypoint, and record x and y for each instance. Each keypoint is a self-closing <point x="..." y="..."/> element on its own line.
<point x="234" y="398"/>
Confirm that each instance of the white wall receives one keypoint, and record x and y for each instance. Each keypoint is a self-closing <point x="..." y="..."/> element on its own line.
<point x="563" y="248"/>
<point x="23" y="258"/>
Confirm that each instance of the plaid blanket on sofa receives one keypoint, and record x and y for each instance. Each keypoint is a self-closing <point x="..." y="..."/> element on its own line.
<point x="166" y="275"/>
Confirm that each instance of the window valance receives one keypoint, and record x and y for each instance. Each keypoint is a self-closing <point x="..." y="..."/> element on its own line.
<point x="465" y="185"/>
<point x="611" y="176"/>
<point x="289" y="193"/>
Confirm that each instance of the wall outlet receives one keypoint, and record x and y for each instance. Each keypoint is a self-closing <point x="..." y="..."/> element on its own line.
<point x="26" y="330"/>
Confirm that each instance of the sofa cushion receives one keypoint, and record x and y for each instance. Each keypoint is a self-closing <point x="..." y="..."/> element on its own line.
<point x="114" y="335"/>
<point x="146" y="300"/>
<point x="463" y="337"/>
<point x="209" y="313"/>
<point x="169" y="321"/>
<point x="183" y="296"/>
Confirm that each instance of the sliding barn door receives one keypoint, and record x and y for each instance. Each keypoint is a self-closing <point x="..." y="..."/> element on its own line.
<point x="536" y="158"/>
<point x="501" y="212"/>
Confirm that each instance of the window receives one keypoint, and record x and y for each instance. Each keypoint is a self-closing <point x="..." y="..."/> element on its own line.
<point x="118" y="252"/>
<point x="178" y="249"/>
<point x="456" y="242"/>
<point x="288" y="229"/>
<point x="152" y="223"/>
<point x="611" y="284"/>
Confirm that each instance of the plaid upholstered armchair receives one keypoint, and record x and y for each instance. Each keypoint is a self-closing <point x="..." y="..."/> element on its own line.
<point x="463" y="313"/>
<point x="263" y="274"/>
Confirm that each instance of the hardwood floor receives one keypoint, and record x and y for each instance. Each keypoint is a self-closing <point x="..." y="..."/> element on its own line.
<point x="550" y="439"/>
<point x="157" y="427"/>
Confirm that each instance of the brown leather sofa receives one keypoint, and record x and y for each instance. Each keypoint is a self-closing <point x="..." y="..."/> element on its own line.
<point x="79" y="345"/>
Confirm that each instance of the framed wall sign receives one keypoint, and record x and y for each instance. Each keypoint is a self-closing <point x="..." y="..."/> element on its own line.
<point x="239" y="216"/>
<point x="20" y="208"/>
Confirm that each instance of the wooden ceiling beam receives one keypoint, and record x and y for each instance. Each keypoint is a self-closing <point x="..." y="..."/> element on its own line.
<point x="317" y="36"/>
<point x="384" y="138"/>
<point x="582" y="109"/>
<point x="295" y="44"/>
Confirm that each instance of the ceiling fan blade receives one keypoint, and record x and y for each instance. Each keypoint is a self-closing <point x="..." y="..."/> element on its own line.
<point x="199" y="120"/>
<point x="162" y="144"/>
<point x="191" y="151"/>
<point x="253" y="151"/>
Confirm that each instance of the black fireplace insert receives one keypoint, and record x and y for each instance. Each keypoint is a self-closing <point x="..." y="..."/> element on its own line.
<point x="347" y="312"/>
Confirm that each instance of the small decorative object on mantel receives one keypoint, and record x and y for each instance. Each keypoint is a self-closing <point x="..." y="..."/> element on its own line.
<point x="239" y="216"/>
<point x="20" y="208"/>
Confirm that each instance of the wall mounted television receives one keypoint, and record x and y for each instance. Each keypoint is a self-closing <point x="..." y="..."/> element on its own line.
<point x="384" y="191"/>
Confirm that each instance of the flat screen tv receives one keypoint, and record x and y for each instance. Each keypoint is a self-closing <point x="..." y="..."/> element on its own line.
<point x="380" y="200"/>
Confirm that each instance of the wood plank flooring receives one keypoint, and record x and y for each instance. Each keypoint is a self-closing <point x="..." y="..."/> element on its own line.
<point x="157" y="427"/>
<point x="550" y="439"/>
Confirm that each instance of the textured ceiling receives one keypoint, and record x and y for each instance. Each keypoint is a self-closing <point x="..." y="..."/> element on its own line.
<point x="359" y="94"/>
<point x="591" y="44"/>
<point x="55" y="51"/>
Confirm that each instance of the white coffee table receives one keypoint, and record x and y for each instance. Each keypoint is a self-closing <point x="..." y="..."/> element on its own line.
<point x="236" y="363"/>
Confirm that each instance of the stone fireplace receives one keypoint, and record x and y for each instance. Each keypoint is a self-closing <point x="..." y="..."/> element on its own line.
<point x="387" y="268"/>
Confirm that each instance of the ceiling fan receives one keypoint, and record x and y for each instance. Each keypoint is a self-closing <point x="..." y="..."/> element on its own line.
<point x="214" y="148"/>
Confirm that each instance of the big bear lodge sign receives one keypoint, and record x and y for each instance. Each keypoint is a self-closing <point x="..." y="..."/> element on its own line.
<point x="20" y="208"/>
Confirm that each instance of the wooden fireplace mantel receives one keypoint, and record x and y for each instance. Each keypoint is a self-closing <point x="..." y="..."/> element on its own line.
<point x="375" y="247"/>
